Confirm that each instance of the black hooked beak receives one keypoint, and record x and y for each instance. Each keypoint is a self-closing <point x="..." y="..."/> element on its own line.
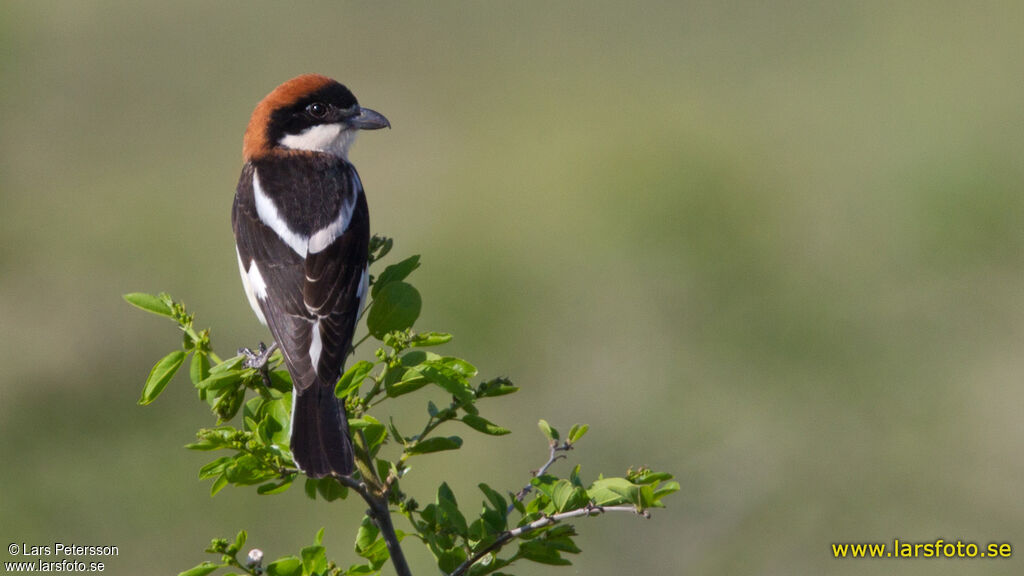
<point x="368" y="120"/>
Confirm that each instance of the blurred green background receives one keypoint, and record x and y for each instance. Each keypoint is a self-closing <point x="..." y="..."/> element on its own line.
<point x="773" y="248"/>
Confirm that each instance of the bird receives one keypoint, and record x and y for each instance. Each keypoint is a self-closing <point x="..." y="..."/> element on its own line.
<point x="302" y="233"/>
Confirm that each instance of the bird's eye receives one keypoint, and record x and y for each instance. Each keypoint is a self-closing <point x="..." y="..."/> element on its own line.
<point x="317" y="110"/>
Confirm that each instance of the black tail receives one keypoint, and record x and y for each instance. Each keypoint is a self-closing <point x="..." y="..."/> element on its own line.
<point x="320" y="441"/>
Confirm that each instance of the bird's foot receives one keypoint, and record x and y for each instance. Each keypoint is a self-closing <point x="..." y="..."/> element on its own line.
<point x="258" y="359"/>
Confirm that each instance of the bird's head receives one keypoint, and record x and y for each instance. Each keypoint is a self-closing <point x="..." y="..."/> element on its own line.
<point x="312" y="113"/>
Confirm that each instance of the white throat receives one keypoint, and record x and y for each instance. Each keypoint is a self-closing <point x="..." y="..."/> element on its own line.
<point x="333" y="139"/>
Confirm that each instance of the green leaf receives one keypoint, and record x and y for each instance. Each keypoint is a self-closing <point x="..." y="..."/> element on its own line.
<point x="353" y="378"/>
<point x="330" y="489"/>
<point x="496" y="387"/>
<point x="276" y="487"/>
<point x="484" y="425"/>
<point x="497" y="500"/>
<point x="542" y="552"/>
<point x="424" y="339"/>
<point x="445" y="493"/>
<point x="613" y="491"/>
<point x="449" y="517"/>
<point x="361" y="570"/>
<point x="560" y="538"/>
<point x="227" y="404"/>
<point x="458" y="365"/>
<point x="218" y="484"/>
<point x="205" y="445"/>
<point x="386" y="468"/>
<point x="545" y="484"/>
<point x="273" y="418"/>
<point x="248" y="469"/>
<point x="310" y="488"/>
<point x="411" y="380"/>
<point x="647" y="476"/>
<point x="239" y="541"/>
<point x="574" y="476"/>
<point x="287" y="566"/>
<point x="199" y="369"/>
<point x="379" y="247"/>
<point x="486" y="528"/>
<point x="548" y="431"/>
<point x="372" y="429"/>
<point x="314" y="560"/>
<point x="396" y="307"/>
<point x="449" y="560"/>
<point x="405" y="380"/>
<point x="665" y="490"/>
<point x="366" y="535"/>
<point x="437" y="444"/>
<point x="414" y="358"/>
<point x="201" y="570"/>
<point x="213" y="438"/>
<point x="488" y="564"/>
<point x="216" y="467"/>
<point x="150" y="303"/>
<point x="395" y="273"/>
<point x="370" y="545"/>
<point x="281" y="380"/>
<point x="444" y="375"/>
<point x="577" y="432"/>
<point x="160" y="375"/>
<point x="394" y="431"/>
<point x="221" y="380"/>
<point x="363" y="423"/>
<point x="567" y="497"/>
<point x="232" y="363"/>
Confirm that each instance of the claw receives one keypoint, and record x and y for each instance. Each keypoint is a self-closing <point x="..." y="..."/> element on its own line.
<point x="258" y="360"/>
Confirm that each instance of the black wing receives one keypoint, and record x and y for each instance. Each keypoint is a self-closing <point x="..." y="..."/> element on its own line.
<point x="306" y="291"/>
<point x="335" y="283"/>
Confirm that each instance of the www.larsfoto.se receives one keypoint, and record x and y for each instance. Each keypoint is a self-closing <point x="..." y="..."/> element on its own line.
<point x="64" y="565"/>
<point x="938" y="548"/>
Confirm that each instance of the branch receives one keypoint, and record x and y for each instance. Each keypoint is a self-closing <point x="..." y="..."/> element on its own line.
<point x="364" y="338"/>
<point x="381" y="516"/>
<point x="508" y="536"/>
<point x="552" y="458"/>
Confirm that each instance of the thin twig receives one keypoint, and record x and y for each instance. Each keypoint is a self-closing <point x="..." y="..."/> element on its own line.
<point x="509" y="535"/>
<point x="553" y="456"/>
<point x="432" y="422"/>
<point x="360" y="341"/>
<point x="381" y="516"/>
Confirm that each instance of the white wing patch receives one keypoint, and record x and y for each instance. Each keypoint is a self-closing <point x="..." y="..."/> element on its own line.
<point x="316" y="346"/>
<point x="333" y="139"/>
<point x="269" y="215"/>
<point x="259" y="285"/>
<point x="255" y="286"/>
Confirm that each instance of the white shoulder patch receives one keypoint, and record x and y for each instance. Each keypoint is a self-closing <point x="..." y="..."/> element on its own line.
<point x="324" y="237"/>
<point x="269" y="215"/>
